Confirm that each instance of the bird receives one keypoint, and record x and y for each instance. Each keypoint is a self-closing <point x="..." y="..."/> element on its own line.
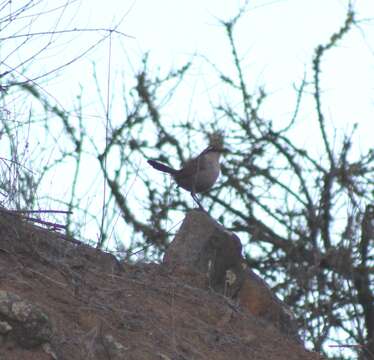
<point x="198" y="174"/>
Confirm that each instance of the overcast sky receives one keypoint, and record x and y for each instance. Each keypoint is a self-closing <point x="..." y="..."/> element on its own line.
<point x="276" y="40"/>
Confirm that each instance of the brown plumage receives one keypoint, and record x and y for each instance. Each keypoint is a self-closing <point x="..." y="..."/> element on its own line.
<point x="198" y="174"/>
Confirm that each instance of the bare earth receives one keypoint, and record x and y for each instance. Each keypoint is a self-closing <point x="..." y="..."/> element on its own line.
<point x="100" y="308"/>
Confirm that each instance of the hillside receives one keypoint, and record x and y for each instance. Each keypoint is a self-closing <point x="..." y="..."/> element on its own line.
<point x="63" y="300"/>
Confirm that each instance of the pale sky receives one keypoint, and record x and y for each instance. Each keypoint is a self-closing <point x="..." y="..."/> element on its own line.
<point x="276" y="41"/>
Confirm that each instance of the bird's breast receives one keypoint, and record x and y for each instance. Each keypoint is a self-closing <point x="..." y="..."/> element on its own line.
<point x="206" y="179"/>
<point x="202" y="178"/>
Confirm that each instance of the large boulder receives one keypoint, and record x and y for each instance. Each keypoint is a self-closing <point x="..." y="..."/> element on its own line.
<point x="204" y="246"/>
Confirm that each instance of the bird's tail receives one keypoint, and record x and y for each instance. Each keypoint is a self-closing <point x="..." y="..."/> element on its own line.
<point x="162" y="167"/>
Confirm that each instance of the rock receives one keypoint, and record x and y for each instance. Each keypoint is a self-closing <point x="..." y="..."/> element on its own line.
<point x="256" y="296"/>
<point x="205" y="246"/>
<point x="25" y="323"/>
<point x="47" y="348"/>
<point x="4" y="327"/>
<point x="115" y="350"/>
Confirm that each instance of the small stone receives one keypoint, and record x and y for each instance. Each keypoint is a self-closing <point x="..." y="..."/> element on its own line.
<point x="115" y="349"/>
<point x="47" y="348"/>
<point x="5" y="327"/>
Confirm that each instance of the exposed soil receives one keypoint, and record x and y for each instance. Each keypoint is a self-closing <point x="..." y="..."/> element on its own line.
<point x="93" y="301"/>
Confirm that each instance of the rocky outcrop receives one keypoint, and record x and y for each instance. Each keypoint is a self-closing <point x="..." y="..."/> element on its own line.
<point x="204" y="246"/>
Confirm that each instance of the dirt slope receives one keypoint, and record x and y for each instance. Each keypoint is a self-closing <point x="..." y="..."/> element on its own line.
<point x="99" y="308"/>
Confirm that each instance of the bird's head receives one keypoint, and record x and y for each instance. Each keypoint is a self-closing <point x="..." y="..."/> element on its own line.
<point x="216" y="142"/>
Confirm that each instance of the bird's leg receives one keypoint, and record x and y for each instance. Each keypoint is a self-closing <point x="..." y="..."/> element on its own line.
<point x="194" y="196"/>
<point x="193" y="192"/>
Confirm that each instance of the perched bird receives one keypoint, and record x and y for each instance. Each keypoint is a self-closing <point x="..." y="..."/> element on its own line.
<point x="198" y="174"/>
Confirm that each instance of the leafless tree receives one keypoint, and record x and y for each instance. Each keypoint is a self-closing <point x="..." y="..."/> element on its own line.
<point x="306" y="220"/>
